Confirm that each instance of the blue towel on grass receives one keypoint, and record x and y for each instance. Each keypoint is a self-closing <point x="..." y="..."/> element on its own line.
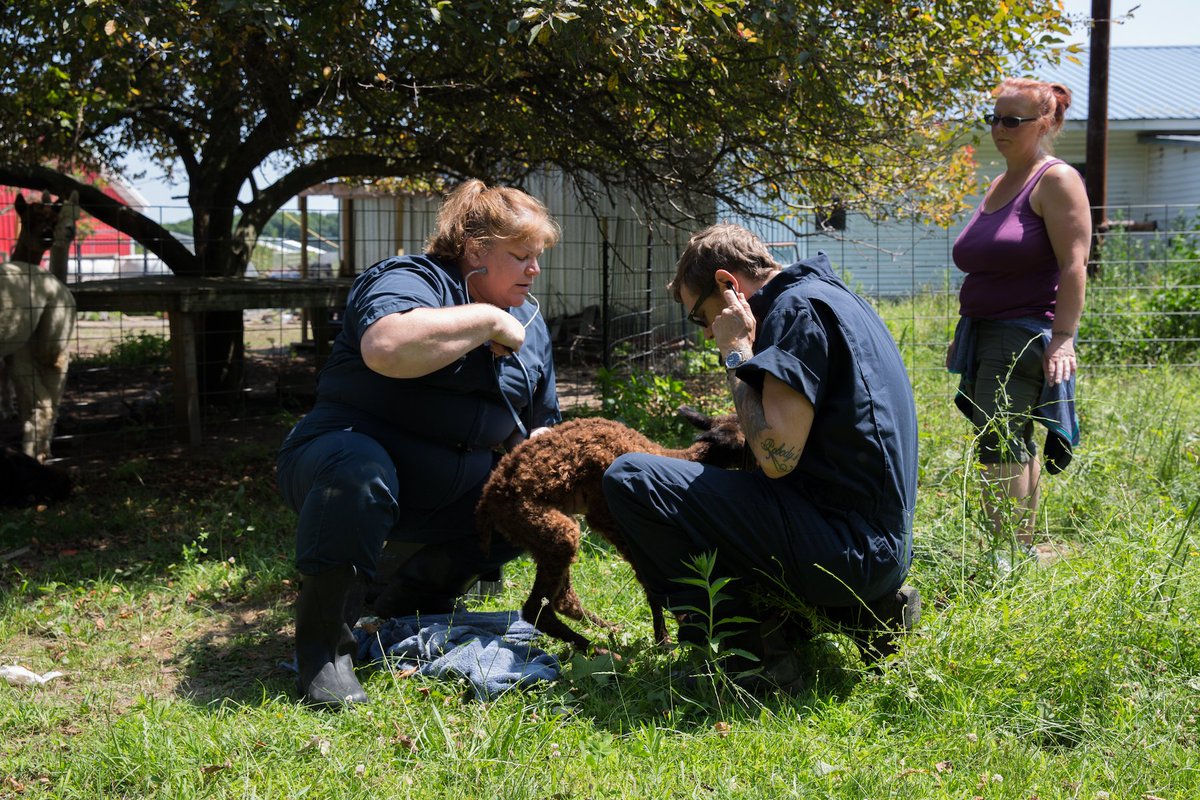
<point x="493" y="650"/>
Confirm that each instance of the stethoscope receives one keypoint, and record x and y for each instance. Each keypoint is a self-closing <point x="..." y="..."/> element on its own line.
<point x="537" y="309"/>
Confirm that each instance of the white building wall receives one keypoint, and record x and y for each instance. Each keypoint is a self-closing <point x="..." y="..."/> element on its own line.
<point x="1175" y="169"/>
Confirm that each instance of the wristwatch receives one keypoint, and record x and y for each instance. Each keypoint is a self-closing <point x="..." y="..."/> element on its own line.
<point x="735" y="359"/>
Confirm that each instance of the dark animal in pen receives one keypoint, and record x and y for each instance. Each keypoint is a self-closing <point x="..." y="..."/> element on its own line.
<point x="536" y="490"/>
<point x="24" y="481"/>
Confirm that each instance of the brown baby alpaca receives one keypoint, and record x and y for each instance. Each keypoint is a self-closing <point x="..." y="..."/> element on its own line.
<point x="536" y="490"/>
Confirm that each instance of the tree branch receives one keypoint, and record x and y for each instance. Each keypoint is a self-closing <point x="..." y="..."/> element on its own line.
<point x="139" y="227"/>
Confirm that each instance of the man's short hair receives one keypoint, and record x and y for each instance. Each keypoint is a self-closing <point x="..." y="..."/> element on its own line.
<point x="723" y="246"/>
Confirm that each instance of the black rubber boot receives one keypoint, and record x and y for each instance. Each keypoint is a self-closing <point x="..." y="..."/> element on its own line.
<point x="431" y="581"/>
<point x="776" y="664"/>
<point x="875" y="627"/>
<point x="325" y="647"/>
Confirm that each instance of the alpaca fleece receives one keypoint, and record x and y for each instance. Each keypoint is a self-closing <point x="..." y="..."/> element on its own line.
<point x="37" y="319"/>
<point x="536" y="490"/>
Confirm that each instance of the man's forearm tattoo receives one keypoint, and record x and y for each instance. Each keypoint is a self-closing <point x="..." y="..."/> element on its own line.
<point x="783" y="457"/>
<point x="749" y="407"/>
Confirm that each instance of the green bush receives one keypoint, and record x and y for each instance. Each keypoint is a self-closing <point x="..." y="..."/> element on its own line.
<point x="140" y="349"/>
<point x="647" y="402"/>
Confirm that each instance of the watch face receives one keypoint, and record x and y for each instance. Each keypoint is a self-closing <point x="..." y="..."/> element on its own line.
<point x="733" y="360"/>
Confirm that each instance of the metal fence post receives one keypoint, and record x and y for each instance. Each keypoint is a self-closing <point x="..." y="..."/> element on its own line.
<point x="605" y="311"/>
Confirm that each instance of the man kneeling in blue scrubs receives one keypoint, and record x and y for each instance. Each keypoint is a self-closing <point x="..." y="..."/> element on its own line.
<point x="825" y="402"/>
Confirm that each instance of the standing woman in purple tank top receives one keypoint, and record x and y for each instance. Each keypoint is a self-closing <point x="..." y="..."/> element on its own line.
<point x="1025" y="253"/>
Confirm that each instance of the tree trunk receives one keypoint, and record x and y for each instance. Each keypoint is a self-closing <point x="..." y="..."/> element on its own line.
<point x="220" y="349"/>
<point x="220" y="356"/>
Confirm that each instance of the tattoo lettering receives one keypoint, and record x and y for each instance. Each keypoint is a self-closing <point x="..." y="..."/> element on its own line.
<point x="783" y="458"/>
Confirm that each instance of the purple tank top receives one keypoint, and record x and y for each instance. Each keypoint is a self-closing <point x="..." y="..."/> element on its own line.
<point x="1011" y="268"/>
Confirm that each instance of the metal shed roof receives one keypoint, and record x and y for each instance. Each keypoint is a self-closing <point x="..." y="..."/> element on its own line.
<point x="1144" y="83"/>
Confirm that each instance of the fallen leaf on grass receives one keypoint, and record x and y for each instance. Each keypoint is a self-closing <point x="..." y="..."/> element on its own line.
<point x="403" y="739"/>
<point x="322" y="746"/>
<point x="210" y="769"/>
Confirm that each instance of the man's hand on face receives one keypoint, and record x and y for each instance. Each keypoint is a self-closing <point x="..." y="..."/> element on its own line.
<point x="734" y="326"/>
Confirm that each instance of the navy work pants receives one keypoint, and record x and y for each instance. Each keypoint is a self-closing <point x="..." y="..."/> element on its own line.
<point x="345" y="489"/>
<point x="765" y="534"/>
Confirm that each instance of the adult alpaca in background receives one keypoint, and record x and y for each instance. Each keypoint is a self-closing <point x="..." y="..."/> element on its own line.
<point x="37" y="318"/>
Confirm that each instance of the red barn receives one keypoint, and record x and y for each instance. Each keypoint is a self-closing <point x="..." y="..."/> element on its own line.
<point x="98" y="248"/>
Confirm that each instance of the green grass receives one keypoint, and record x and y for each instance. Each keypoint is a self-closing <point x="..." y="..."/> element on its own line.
<point x="163" y="591"/>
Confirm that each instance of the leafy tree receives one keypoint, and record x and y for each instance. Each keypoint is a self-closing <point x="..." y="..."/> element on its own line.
<point x="680" y="103"/>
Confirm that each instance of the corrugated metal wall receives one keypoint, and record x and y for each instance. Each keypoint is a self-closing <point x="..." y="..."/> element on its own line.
<point x="601" y="238"/>
<point x="1174" y="169"/>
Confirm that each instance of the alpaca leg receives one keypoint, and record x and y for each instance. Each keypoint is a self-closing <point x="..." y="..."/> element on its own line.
<point x="39" y="388"/>
<point x="568" y="604"/>
<point x="539" y="610"/>
<point x="552" y="539"/>
<point x="49" y="380"/>
<point x="661" y="636"/>
<point x="601" y="522"/>
<point x="22" y="375"/>
<point x="49" y="357"/>
<point x="8" y="400"/>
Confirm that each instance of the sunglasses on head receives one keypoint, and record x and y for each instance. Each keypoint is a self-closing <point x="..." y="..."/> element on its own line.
<point x="1008" y="122"/>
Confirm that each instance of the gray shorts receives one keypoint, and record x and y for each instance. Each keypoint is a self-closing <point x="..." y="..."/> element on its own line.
<point x="1008" y="382"/>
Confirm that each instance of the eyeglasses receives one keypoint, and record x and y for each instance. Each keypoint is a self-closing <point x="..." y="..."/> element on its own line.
<point x="1008" y="122"/>
<point x="692" y="318"/>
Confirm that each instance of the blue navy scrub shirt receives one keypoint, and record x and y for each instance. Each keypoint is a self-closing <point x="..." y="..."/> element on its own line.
<point x="835" y="530"/>
<point x="382" y="458"/>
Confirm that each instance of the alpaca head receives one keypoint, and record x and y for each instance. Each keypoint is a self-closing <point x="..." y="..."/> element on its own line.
<point x="720" y="441"/>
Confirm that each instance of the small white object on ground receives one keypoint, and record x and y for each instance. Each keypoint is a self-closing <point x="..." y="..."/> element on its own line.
<point x="19" y="676"/>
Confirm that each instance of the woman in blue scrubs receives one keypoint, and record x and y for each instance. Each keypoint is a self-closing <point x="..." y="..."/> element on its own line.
<point x="442" y="363"/>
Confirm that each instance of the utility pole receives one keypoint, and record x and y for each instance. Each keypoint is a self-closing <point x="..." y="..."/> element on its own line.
<point x="1096" y="155"/>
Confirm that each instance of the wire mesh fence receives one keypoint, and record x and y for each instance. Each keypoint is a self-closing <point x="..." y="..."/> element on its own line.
<point x="140" y="377"/>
